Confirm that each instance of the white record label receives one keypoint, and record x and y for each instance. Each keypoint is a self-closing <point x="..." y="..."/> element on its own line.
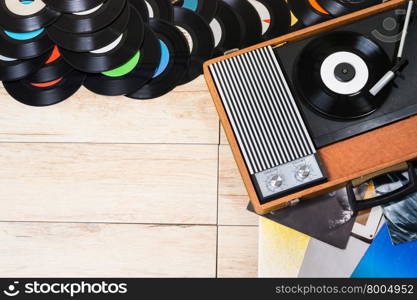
<point x="263" y="13"/>
<point x="24" y="8"/>
<point x="353" y="86"/>
<point x="188" y="38"/>
<point x="216" y="28"/>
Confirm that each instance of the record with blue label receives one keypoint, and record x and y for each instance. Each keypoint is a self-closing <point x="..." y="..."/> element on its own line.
<point x="173" y="65"/>
<point x="205" y="8"/>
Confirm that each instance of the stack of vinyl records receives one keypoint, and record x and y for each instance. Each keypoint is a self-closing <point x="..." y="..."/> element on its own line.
<point x="141" y="49"/>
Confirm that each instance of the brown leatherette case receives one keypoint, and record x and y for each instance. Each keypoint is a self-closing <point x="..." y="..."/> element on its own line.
<point x="344" y="161"/>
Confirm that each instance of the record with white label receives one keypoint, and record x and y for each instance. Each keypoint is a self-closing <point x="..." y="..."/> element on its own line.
<point x="335" y="72"/>
<point x="227" y="30"/>
<point x="84" y="42"/>
<point x="275" y="17"/>
<point x="91" y="20"/>
<point x="112" y="55"/>
<point x="25" y="16"/>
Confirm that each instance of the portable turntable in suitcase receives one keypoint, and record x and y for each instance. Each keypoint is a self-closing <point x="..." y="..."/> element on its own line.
<point x="290" y="148"/>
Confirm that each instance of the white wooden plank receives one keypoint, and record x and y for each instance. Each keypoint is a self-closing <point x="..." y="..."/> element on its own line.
<point x="175" y="184"/>
<point x="178" y="117"/>
<point x="92" y="250"/>
<point x="237" y="251"/>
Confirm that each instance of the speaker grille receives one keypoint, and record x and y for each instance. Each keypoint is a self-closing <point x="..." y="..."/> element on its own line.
<point x="261" y="110"/>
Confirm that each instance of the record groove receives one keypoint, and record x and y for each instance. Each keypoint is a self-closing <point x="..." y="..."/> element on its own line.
<point x="310" y="83"/>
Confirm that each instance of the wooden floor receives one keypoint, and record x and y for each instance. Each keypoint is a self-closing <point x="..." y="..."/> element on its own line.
<point x="112" y="187"/>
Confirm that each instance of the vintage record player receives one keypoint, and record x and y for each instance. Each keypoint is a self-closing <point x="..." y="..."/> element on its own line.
<point x="309" y="112"/>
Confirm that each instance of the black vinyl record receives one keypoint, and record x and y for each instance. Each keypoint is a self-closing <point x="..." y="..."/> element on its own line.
<point x="227" y="30"/>
<point x="73" y="6"/>
<point x="335" y="72"/>
<point x="307" y="14"/>
<point x="30" y="93"/>
<point x="342" y="7"/>
<point x="279" y="22"/>
<point x="160" y="9"/>
<point x="122" y="49"/>
<point x="24" y="48"/>
<point x="249" y="21"/>
<point x="175" y="58"/>
<point x="150" y="55"/>
<point x="11" y="70"/>
<point x="85" y="42"/>
<point x="142" y="8"/>
<point x="25" y="23"/>
<point x="205" y="8"/>
<point x="200" y="38"/>
<point x="55" y="67"/>
<point x="92" y="22"/>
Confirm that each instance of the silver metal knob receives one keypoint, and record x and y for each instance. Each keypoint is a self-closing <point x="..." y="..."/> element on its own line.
<point x="276" y="181"/>
<point x="303" y="172"/>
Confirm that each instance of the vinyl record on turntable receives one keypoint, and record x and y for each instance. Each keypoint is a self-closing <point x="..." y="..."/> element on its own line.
<point x="275" y="17"/>
<point x="342" y="7"/>
<point x="200" y="40"/>
<point x="25" y="16"/>
<point x="91" y="20"/>
<point x="335" y="72"/>
<point x="112" y="55"/>
<point x="160" y="9"/>
<point x="173" y="65"/>
<point x="205" y="8"/>
<point x="309" y="12"/>
<point x="132" y="75"/>
<point x="73" y="6"/>
<point x="249" y="21"/>
<point x="227" y="30"/>
<point x="84" y="42"/>
<point x="46" y="93"/>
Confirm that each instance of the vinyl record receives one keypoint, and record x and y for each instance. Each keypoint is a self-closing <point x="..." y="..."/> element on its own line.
<point x="249" y="21"/>
<point x="200" y="40"/>
<point x="24" y="45"/>
<point x="335" y="72"/>
<point x="160" y="9"/>
<point x="342" y="7"/>
<point x="205" y="8"/>
<point x="45" y="94"/>
<point x="131" y="76"/>
<point x="91" y="21"/>
<point x="14" y="69"/>
<point x="142" y="8"/>
<point x="309" y="12"/>
<point x="227" y="30"/>
<point x="85" y="42"/>
<point x="113" y="55"/>
<point x="175" y="57"/>
<point x="72" y="6"/>
<point x="275" y="17"/>
<point x="54" y="68"/>
<point x="25" y="16"/>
